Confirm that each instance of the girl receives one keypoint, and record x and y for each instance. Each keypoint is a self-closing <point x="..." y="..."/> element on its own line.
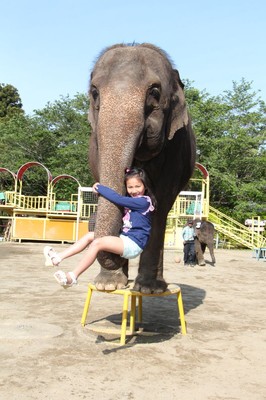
<point x="138" y="205"/>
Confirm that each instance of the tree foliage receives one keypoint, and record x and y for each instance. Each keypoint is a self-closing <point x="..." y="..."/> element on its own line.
<point x="56" y="136"/>
<point x="230" y="131"/>
<point x="10" y="102"/>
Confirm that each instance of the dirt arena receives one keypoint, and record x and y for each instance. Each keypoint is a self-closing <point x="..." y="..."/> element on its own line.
<point x="46" y="354"/>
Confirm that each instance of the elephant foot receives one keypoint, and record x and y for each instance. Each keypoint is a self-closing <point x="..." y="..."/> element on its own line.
<point x="202" y="263"/>
<point x="149" y="286"/>
<point x="110" y="280"/>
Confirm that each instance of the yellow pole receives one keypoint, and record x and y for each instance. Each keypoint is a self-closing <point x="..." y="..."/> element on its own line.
<point x="132" y="314"/>
<point x="86" y="307"/>
<point x="124" y="320"/>
<point x="181" y="313"/>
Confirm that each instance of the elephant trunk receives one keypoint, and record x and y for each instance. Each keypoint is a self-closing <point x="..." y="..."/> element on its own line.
<point x="117" y="140"/>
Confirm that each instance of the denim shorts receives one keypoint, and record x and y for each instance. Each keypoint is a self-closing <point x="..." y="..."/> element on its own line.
<point x="131" y="249"/>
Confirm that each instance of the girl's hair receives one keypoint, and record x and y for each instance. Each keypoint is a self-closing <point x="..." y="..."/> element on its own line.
<point x="142" y="175"/>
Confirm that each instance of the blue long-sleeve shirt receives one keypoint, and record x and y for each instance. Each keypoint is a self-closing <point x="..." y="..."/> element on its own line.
<point x="137" y="214"/>
<point x="188" y="234"/>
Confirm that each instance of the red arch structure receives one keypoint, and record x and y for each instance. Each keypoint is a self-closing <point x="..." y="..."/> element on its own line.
<point x="30" y="164"/>
<point x="10" y="172"/>
<point x="202" y="169"/>
<point x="59" y="177"/>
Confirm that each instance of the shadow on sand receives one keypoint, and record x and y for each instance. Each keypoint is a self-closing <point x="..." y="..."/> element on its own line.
<point x="160" y="320"/>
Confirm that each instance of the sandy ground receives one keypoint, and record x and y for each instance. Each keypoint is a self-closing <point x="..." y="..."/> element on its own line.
<point x="46" y="354"/>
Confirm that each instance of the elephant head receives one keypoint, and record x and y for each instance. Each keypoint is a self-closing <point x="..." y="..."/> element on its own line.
<point x="137" y="108"/>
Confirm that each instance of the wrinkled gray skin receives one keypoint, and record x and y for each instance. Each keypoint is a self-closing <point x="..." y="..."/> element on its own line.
<point x="204" y="237"/>
<point x="139" y="118"/>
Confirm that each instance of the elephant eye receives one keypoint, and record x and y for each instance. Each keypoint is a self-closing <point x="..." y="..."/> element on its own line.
<point x="94" y="93"/>
<point x="155" y="92"/>
<point x="153" y="98"/>
<point x="95" y="96"/>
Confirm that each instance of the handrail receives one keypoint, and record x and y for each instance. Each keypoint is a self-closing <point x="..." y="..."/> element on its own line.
<point x="235" y="230"/>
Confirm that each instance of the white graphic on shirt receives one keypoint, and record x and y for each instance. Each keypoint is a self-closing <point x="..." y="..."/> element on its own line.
<point x="126" y="221"/>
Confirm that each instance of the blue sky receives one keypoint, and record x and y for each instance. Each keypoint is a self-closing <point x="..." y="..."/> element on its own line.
<point x="48" y="47"/>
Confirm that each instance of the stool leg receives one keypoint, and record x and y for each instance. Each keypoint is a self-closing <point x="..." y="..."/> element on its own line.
<point x="132" y="314"/>
<point x="181" y="313"/>
<point x="139" y="308"/>
<point x="124" y="320"/>
<point x="86" y="307"/>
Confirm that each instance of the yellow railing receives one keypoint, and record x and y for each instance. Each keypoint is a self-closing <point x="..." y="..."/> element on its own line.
<point x="184" y="207"/>
<point x="39" y="203"/>
<point x="177" y="216"/>
<point x="236" y="231"/>
<point x="17" y="200"/>
<point x="10" y="198"/>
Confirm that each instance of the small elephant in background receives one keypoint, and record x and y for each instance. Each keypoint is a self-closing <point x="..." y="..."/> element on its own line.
<point x="204" y="236"/>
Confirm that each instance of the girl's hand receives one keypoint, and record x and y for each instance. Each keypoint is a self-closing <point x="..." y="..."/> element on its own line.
<point x="95" y="187"/>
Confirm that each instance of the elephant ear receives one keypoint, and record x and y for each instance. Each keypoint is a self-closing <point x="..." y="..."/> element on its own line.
<point x="179" y="114"/>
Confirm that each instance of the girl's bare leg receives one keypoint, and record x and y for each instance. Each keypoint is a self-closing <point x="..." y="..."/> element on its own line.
<point x="54" y="258"/>
<point x="77" y="247"/>
<point x="113" y="244"/>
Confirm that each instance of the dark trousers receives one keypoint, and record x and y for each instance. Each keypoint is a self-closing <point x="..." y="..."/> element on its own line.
<point x="189" y="252"/>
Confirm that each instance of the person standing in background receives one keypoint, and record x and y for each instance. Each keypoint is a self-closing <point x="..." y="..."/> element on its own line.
<point x="188" y="236"/>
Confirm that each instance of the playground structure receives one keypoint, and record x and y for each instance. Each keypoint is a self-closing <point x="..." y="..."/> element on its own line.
<point x="195" y="204"/>
<point x="48" y="218"/>
<point x="43" y="217"/>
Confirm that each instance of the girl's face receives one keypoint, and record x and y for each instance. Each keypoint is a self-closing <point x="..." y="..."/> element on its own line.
<point x="135" y="187"/>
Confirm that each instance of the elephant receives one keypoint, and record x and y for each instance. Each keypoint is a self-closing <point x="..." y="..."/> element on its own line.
<point x="204" y="236"/>
<point x="138" y="117"/>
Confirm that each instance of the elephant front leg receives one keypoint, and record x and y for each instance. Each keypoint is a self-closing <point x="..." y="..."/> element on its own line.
<point x="199" y="253"/>
<point x="114" y="272"/>
<point x="150" y="275"/>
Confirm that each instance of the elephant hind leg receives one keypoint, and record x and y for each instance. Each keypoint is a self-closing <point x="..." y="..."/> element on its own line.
<point x="212" y="254"/>
<point x="203" y="247"/>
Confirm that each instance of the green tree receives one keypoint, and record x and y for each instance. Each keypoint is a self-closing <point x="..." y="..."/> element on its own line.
<point x="10" y="102"/>
<point x="245" y="148"/>
<point x="230" y="132"/>
<point x="66" y="123"/>
<point x="56" y="136"/>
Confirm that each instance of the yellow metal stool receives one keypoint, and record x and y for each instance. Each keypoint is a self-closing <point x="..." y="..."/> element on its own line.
<point x="129" y="292"/>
